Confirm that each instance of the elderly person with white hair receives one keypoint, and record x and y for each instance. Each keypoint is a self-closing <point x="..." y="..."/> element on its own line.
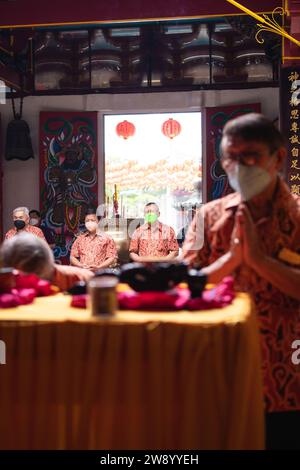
<point x="21" y="224"/>
<point x="31" y="254"/>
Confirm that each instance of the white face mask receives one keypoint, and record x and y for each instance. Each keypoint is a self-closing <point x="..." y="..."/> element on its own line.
<point x="91" y="226"/>
<point x="34" y="221"/>
<point x="249" y="181"/>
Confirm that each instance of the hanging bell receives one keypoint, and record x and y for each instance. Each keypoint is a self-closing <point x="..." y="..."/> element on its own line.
<point x="18" y="140"/>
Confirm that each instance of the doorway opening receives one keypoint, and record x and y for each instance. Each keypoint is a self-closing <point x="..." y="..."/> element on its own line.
<point x="154" y="157"/>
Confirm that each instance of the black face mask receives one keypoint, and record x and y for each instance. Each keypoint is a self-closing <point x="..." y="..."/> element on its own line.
<point x="19" y="224"/>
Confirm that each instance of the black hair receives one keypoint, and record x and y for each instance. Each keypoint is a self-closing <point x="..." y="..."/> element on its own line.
<point x="151" y="204"/>
<point x="35" y="211"/>
<point x="90" y="211"/>
<point x="255" y="127"/>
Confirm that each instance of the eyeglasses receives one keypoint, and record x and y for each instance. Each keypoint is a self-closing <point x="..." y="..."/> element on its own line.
<point x="246" y="158"/>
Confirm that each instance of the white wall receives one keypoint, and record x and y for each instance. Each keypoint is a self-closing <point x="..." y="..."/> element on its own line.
<point x="21" y="179"/>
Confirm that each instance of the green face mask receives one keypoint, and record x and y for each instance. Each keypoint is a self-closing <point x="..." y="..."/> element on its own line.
<point x="151" y="217"/>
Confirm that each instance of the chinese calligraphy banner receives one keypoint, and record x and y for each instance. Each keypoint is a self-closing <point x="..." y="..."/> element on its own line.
<point x="290" y="124"/>
<point x="68" y="174"/>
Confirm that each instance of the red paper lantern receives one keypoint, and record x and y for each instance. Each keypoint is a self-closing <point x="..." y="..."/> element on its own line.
<point x="125" y="129"/>
<point x="171" y="128"/>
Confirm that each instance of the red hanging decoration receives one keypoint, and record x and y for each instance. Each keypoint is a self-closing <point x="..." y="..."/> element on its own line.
<point x="171" y="128"/>
<point x="125" y="129"/>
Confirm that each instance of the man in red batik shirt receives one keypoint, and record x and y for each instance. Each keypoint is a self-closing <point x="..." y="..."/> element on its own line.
<point x="153" y="239"/>
<point x="21" y="224"/>
<point x="94" y="249"/>
<point x="254" y="234"/>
